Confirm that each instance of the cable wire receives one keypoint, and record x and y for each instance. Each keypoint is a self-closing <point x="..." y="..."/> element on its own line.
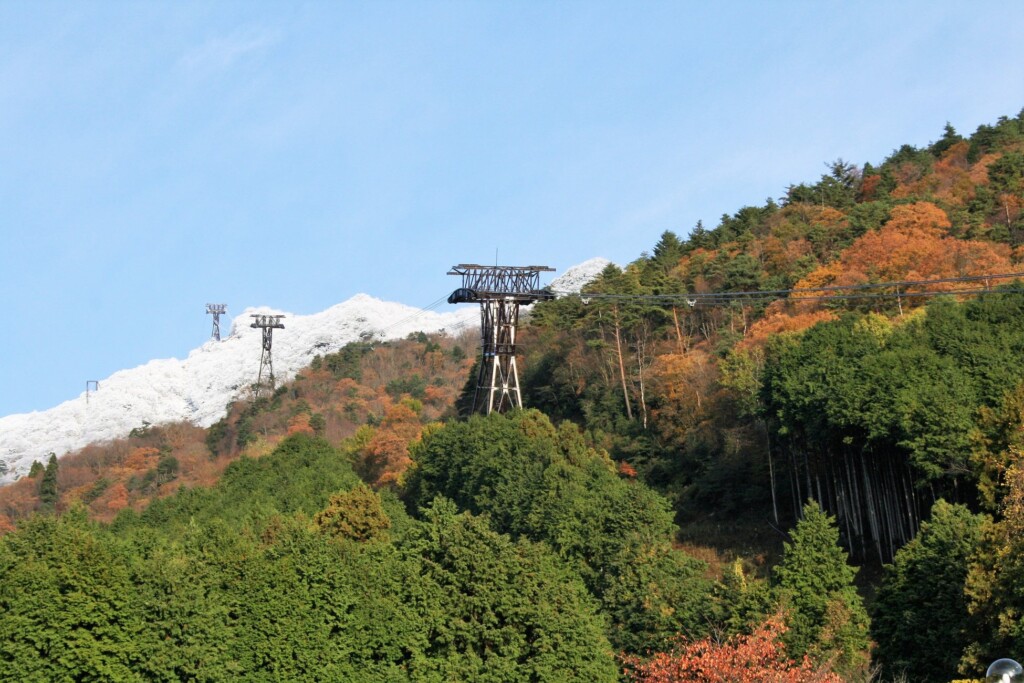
<point x="842" y="292"/>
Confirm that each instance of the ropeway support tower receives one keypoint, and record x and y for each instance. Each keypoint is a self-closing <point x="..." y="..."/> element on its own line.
<point x="268" y="323"/>
<point x="500" y="290"/>
<point x="216" y="310"/>
<point x="90" y="384"/>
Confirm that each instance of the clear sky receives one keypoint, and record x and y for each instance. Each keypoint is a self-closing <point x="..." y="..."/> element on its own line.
<point x="156" y="156"/>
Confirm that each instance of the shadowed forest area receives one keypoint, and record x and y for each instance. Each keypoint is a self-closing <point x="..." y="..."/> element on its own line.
<point x="787" y="448"/>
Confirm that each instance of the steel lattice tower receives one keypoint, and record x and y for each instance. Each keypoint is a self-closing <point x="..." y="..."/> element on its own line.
<point x="95" y="387"/>
<point x="216" y="310"/>
<point x="500" y="290"/>
<point x="268" y="323"/>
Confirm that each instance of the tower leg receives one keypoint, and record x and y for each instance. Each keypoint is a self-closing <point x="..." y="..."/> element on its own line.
<point x="498" y="380"/>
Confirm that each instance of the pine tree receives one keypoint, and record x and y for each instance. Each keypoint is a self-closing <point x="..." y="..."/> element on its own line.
<point x="48" y="484"/>
<point x="827" y="618"/>
<point x="668" y="251"/>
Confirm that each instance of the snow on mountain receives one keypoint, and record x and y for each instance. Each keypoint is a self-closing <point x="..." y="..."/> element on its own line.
<point x="199" y="388"/>
<point x="574" y="279"/>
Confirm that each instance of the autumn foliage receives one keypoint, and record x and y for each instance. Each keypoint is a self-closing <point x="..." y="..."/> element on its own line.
<point x="913" y="245"/>
<point x="300" y="425"/>
<point x="759" y="657"/>
<point x="359" y="386"/>
<point x="386" y="456"/>
<point x="777" y="321"/>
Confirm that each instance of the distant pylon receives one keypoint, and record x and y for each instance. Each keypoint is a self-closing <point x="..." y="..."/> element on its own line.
<point x="216" y="310"/>
<point x="268" y="323"/>
<point x="499" y="290"/>
<point x="95" y="387"/>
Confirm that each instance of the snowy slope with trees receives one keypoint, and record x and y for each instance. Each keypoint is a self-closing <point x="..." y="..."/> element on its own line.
<point x="199" y="388"/>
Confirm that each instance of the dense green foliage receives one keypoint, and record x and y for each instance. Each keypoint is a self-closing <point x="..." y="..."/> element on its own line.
<point x="920" y="619"/>
<point x="538" y="482"/>
<point x="995" y="579"/>
<point x="236" y="583"/>
<point x="878" y="410"/>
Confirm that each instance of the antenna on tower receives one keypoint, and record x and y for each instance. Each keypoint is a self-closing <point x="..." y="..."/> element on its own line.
<point x="95" y="387"/>
<point x="500" y="290"/>
<point x="268" y="323"/>
<point x="216" y="310"/>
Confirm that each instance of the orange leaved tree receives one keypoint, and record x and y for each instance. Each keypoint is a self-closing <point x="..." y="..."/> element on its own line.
<point x="913" y="245"/>
<point x="759" y="657"/>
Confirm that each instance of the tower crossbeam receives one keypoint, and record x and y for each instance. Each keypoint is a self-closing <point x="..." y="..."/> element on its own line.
<point x="499" y="290"/>
<point x="216" y="310"/>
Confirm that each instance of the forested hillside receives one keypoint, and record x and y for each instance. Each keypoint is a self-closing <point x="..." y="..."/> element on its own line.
<point x="715" y="432"/>
<point x="723" y="403"/>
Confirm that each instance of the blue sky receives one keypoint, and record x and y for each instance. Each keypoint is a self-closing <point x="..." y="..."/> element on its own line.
<point x="155" y="156"/>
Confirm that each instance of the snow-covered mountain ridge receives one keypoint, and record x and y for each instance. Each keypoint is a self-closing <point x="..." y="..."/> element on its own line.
<point x="199" y="388"/>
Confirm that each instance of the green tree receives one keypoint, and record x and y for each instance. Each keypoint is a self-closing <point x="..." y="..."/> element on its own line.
<point x="920" y="620"/>
<point x="837" y="188"/>
<point x="502" y="610"/>
<point x="166" y="469"/>
<point x="700" y="238"/>
<point x="346" y="362"/>
<point x="538" y="482"/>
<point x="667" y="251"/>
<point x="317" y="423"/>
<point x="949" y="138"/>
<point x="826" y="615"/>
<point x="995" y="581"/>
<point x="48" y="484"/>
<point x="68" y="610"/>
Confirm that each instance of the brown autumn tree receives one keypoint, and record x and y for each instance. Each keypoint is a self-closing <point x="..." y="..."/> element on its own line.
<point x="759" y="657"/>
<point x="116" y="497"/>
<point x="386" y="457"/>
<point x="949" y="179"/>
<point x="683" y="387"/>
<point x="299" y="424"/>
<point x="141" y="458"/>
<point x="778" y="321"/>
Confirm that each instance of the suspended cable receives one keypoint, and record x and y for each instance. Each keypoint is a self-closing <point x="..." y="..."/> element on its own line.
<point x="889" y="295"/>
<point x="708" y="299"/>
<point x="804" y="293"/>
<point x="413" y="316"/>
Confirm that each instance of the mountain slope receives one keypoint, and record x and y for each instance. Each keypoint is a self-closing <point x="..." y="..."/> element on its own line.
<point x="198" y="388"/>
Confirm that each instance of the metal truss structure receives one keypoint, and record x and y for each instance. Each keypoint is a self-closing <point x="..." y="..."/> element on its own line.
<point x="216" y="310"/>
<point x="268" y="323"/>
<point x="499" y="290"/>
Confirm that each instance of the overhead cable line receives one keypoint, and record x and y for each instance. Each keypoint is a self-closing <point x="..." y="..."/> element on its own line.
<point x="884" y="295"/>
<point x="806" y="293"/>
<point x="413" y="316"/>
<point x="835" y="293"/>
